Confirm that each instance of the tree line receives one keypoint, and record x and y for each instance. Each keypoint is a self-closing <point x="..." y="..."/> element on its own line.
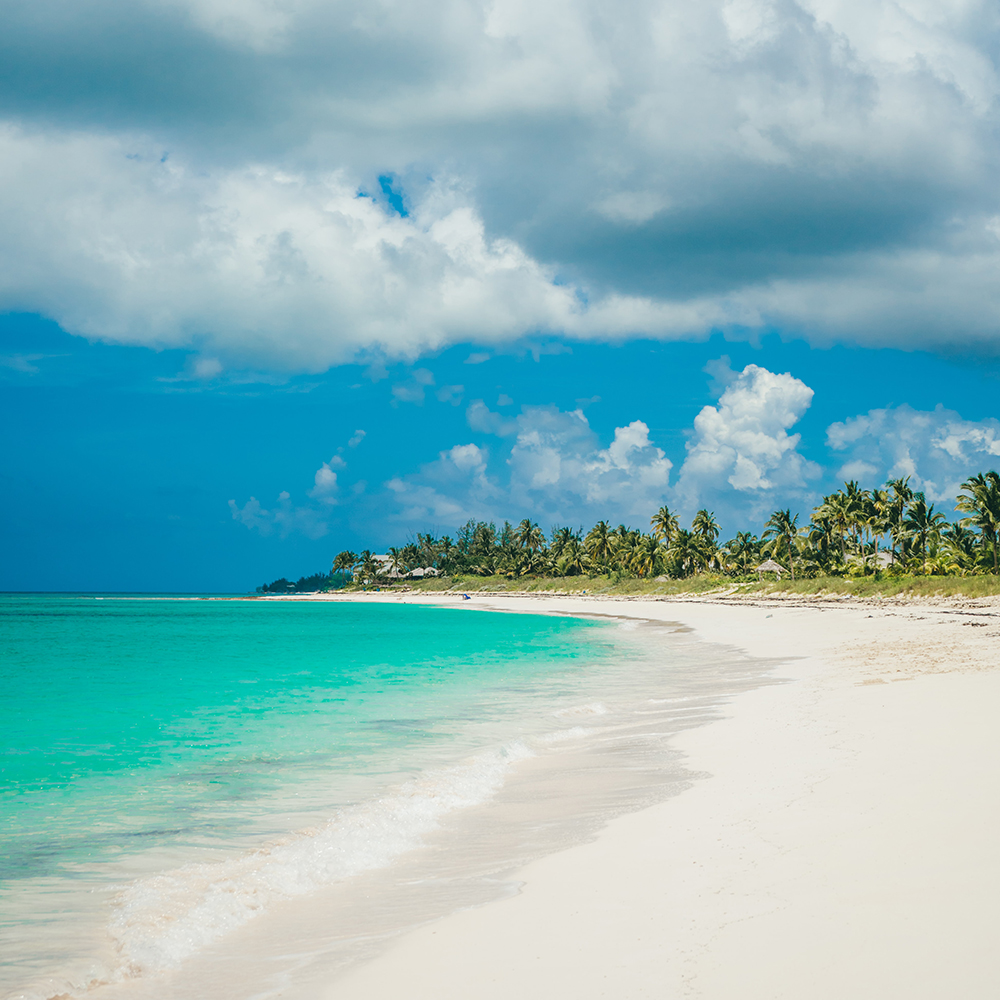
<point x="852" y="532"/>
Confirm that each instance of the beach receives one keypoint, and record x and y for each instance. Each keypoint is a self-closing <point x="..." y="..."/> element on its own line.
<point x="841" y="842"/>
<point x="529" y="795"/>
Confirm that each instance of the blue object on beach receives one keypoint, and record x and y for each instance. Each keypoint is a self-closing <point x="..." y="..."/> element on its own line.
<point x="465" y="597"/>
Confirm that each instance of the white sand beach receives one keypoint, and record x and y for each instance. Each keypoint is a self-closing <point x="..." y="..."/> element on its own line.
<point x="842" y="844"/>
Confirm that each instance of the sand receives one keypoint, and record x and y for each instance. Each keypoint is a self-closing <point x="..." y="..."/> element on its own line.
<point x="844" y="843"/>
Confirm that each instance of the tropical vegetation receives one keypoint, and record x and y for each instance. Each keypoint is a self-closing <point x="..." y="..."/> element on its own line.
<point x="853" y="533"/>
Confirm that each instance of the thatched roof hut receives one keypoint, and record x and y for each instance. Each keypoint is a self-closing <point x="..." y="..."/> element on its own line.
<point x="770" y="566"/>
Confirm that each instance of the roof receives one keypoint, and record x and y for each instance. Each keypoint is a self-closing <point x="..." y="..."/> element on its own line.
<point x="770" y="566"/>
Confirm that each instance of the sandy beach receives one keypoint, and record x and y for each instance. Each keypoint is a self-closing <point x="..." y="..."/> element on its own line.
<point x="841" y="844"/>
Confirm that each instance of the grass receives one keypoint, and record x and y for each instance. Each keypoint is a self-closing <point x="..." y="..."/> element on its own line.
<point x="711" y="583"/>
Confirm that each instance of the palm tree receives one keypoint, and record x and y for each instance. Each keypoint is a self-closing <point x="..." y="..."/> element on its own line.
<point x="529" y="536"/>
<point x="646" y="556"/>
<point x="562" y="539"/>
<point x="664" y="525"/>
<point x="923" y="522"/>
<point x="960" y="544"/>
<point x="705" y="527"/>
<point x="370" y="567"/>
<point x="876" y="516"/>
<point x="742" y="550"/>
<point x="821" y="532"/>
<point x="599" y="543"/>
<point x="836" y="509"/>
<point x="856" y="500"/>
<point x="901" y="496"/>
<point x="688" y="550"/>
<point x="396" y="561"/>
<point x="980" y="496"/>
<point x="572" y="558"/>
<point x="782" y="527"/>
<point x="344" y="562"/>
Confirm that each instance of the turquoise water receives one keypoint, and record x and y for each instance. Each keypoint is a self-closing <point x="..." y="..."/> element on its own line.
<point x="141" y="735"/>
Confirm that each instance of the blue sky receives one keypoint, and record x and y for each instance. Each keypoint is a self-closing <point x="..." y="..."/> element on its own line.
<point x="552" y="262"/>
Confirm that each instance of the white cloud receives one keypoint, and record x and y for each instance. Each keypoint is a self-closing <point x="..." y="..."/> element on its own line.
<point x="446" y="492"/>
<point x="289" y="270"/>
<point x="284" y="519"/>
<point x="414" y="389"/>
<point x="555" y="470"/>
<point x="356" y="438"/>
<point x="741" y="456"/>
<point x="481" y="418"/>
<point x="451" y="394"/>
<point x="325" y="486"/>
<point x="820" y="165"/>
<point x="741" y="462"/>
<point x="937" y="448"/>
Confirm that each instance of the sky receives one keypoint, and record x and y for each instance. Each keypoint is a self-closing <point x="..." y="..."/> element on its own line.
<point x="283" y="277"/>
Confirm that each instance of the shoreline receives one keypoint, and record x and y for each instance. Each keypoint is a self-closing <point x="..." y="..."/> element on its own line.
<point x="841" y="846"/>
<point x="590" y="740"/>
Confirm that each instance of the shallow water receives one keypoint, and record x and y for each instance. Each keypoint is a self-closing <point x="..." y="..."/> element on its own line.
<point x="235" y="792"/>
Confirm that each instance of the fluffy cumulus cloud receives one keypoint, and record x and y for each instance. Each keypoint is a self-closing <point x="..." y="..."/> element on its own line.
<point x="289" y="183"/>
<point x="742" y="462"/>
<point x="446" y="492"/>
<point x="937" y="449"/>
<point x="741" y="457"/>
<point x="553" y="468"/>
<point x="550" y="465"/>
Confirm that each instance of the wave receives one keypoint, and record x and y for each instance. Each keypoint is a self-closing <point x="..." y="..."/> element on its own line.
<point x="159" y="921"/>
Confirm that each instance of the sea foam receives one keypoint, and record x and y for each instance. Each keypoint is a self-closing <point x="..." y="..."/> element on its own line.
<point x="160" y="920"/>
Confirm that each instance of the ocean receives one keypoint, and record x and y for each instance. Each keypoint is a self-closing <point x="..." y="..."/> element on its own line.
<point x="178" y="773"/>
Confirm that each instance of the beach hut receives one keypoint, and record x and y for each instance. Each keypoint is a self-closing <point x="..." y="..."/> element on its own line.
<point x="770" y="566"/>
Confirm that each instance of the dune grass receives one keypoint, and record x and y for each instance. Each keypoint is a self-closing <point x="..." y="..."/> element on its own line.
<point x="833" y="587"/>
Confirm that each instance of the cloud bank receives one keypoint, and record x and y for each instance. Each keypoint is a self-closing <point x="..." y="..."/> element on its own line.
<point x="937" y="449"/>
<point x="741" y="461"/>
<point x="287" y="184"/>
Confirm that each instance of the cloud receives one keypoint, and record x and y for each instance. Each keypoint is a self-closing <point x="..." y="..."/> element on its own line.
<point x="481" y="418"/>
<point x="555" y="469"/>
<point x="741" y="462"/>
<point x="446" y="492"/>
<point x="356" y="438"/>
<point x="450" y="394"/>
<point x="325" y="485"/>
<point x="741" y="456"/>
<point x="937" y="448"/>
<point x="413" y="390"/>
<point x="206" y="174"/>
<point x="24" y="363"/>
<point x="284" y="519"/>
<point x="558" y="470"/>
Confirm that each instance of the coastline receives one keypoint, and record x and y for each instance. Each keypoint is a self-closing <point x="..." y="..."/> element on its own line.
<point x="842" y="845"/>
